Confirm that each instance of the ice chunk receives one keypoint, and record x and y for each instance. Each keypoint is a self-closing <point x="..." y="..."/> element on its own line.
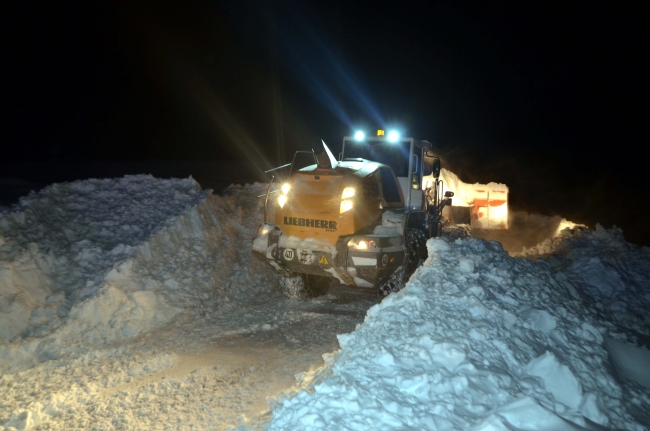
<point x="449" y="355"/>
<point x="465" y="264"/>
<point x="438" y="246"/>
<point x="631" y="362"/>
<point x="540" y="320"/>
<point x="526" y="414"/>
<point x="558" y="379"/>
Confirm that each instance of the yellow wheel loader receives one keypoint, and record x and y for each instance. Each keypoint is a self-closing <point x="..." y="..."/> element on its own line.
<point x="363" y="219"/>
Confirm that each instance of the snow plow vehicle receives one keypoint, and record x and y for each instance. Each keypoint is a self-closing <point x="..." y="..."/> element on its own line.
<point x="363" y="219"/>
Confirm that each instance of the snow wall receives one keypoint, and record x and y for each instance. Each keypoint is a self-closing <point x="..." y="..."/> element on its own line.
<point x="477" y="340"/>
<point x="483" y="341"/>
<point x="88" y="263"/>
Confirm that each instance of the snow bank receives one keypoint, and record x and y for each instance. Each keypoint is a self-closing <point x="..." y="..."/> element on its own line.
<point x="92" y="262"/>
<point x="479" y="340"/>
<point x="564" y="231"/>
<point x="531" y="235"/>
<point x="611" y="274"/>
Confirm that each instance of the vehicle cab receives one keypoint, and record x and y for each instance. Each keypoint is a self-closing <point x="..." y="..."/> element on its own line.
<point x="410" y="159"/>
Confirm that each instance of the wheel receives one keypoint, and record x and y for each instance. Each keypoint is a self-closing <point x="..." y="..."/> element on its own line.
<point x="304" y="286"/>
<point x="416" y="251"/>
<point x="416" y="247"/>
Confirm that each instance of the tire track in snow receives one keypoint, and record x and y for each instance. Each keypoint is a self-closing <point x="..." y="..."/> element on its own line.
<point x="194" y="373"/>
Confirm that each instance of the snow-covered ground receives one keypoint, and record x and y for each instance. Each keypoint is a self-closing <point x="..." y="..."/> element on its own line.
<point x="135" y="303"/>
<point x="484" y="341"/>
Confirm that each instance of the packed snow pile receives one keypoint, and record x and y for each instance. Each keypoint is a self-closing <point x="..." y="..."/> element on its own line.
<point x="92" y="262"/>
<point x="564" y="231"/>
<point x="532" y="235"/>
<point x="611" y="274"/>
<point x="480" y="340"/>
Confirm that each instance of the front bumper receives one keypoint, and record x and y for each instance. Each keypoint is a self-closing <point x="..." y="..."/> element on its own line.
<point x="366" y="268"/>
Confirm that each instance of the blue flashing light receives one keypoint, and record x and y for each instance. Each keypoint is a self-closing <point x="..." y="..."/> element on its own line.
<point x="393" y="136"/>
<point x="359" y="135"/>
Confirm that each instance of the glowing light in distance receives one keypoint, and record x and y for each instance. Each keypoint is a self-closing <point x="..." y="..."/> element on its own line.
<point x="263" y="230"/>
<point x="393" y="136"/>
<point x="282" y="200"/>
<point x="362" y="245"/>
<point x="348" y="192"/>
<point x="285" y="188"/>
<point x="359" y="135"/>
<point x="346" y="205"/>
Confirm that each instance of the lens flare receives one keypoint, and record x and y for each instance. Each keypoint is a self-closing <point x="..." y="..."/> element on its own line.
<point x="346" y="205"/>
<point x="348" y="192"/>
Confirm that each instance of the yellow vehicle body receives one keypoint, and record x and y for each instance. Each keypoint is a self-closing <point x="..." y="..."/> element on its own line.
<point x="313" y="206"/>
<point x="363" y="220"/>
<point x="326" y="220"/>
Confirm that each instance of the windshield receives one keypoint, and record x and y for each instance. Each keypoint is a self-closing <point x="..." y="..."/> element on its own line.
<point x="394" y="155"/>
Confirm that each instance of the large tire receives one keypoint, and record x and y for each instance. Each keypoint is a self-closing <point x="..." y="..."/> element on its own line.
<point x="304" y="286"/>
<point x="416" y="251"/>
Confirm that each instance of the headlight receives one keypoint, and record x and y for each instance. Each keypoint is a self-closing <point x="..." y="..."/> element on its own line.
<point x="282" y="200"/>
<point x="348" y="192"/>
<point x="285" y="188"/>
<point x="363" y="244"/>
<point x="393" y="136"/>
<point x="346" y="205"/>
<point x="359" y="136"/>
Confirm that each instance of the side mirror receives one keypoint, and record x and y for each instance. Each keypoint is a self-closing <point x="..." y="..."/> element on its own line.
<point x="449" y="194"/>
<point x="431" y="165"/>
<point x="436" y="168"/>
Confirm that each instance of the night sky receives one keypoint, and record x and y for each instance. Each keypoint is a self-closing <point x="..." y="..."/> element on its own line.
<point x="549" y="98"/>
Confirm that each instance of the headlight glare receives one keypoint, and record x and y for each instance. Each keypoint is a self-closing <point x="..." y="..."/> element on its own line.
<point x="282" y="200"/>
<point x="363" y="244"/>
<point x="346" y="205"/>
<point x="348" y="192"/>
<point x="285" y="188"/>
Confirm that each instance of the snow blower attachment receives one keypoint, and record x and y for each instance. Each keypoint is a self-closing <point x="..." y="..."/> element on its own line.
<point x="363" y="220"/>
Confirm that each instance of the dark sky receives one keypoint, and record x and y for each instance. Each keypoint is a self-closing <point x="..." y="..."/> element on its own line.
<point x="550" y="98"/>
